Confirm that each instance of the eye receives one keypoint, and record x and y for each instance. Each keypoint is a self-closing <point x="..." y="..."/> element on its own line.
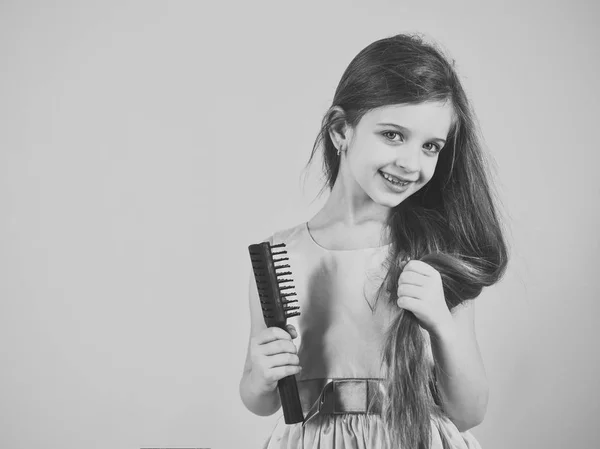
<point x="436" y="148"/>
<point x="386" y="133"/>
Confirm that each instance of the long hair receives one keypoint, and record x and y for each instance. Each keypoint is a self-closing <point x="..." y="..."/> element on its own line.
<point x="451" y="223"/>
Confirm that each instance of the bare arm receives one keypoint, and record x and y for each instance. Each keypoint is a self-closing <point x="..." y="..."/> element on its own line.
<point x="461" y="377"/>
<point x="261" y="403"/>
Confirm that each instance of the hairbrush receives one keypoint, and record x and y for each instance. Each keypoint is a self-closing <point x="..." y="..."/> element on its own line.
<point x="274" y="292"/>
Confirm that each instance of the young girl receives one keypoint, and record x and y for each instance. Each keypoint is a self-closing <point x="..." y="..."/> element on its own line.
<point x="385" y="353"/>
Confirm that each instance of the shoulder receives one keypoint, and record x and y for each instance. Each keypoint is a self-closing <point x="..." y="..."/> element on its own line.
<point x="286" y="235"/>
<point x="295" y="241"/>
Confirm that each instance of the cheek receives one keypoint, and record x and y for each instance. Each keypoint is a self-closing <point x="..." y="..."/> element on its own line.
<point x="362" y="168"/>
<point x="428" y="169"/>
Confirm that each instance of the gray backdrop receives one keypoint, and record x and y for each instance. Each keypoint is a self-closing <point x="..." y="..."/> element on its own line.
<point x="144" y="145"/>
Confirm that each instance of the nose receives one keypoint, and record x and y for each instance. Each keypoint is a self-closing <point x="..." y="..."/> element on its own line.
<point x="407" y="157"/>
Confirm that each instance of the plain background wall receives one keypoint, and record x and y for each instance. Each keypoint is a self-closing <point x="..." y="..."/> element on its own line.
<point x="144" y="145"/>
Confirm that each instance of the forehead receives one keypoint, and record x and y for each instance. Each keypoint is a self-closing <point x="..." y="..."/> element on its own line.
<point x="430" y="117"/>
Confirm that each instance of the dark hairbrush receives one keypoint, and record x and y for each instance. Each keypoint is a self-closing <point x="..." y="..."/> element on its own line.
<point x="274" y="292"/>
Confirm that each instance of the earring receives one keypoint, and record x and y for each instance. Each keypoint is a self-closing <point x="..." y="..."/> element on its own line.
<point x="339" y="150"/>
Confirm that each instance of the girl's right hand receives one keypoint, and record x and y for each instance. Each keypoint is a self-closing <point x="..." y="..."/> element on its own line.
<point x="273" y="356"/>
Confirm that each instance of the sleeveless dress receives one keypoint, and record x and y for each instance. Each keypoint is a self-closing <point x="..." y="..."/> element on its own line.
<point x="340" y="336"/>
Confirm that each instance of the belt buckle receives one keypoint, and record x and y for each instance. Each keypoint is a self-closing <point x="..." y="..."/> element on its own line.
<point x="350" y="396"/>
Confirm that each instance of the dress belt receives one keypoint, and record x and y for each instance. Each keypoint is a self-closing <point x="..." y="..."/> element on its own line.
<point x="340" y="395"/>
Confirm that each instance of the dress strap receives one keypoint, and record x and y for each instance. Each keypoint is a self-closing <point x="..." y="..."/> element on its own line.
<point x="340" y="395"/>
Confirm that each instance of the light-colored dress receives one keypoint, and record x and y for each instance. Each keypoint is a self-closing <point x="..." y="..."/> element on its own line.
<point x="340" y="336"/>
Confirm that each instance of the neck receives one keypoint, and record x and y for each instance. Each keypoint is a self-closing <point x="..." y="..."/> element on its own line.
<point x="349" y="206"/>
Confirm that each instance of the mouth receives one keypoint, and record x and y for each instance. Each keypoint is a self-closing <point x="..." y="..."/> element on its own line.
<point x="394" y="180"/>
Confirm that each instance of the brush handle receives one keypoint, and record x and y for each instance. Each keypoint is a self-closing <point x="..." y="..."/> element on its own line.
<point x="277" y="307"/>
<point x="290" y="400"/>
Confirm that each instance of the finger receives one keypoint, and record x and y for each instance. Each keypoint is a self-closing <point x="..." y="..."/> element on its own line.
<point x="278" y="347"/>
<point x="283" y="360"/>
<point x="283" y="371"/>
<point x="418" y="266"/>
<point x="404" y="260"/>
<point x="271" y="334"/>
<point x="409" y="303"/>
<point x="414" y="291"/>
<point x="412" y="277"/>
<point x="291" y="330"/>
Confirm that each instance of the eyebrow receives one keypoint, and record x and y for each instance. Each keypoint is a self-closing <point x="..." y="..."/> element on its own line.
<point x="402" y="128"/>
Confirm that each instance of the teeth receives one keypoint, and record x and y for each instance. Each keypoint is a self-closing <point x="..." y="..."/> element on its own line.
<point x="393" y="179"/>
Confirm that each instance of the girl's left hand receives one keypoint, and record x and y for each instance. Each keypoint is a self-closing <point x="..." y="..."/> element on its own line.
<point x="420" y="290"/>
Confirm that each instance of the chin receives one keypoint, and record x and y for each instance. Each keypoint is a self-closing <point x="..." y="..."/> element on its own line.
<point x="390" y="200"/>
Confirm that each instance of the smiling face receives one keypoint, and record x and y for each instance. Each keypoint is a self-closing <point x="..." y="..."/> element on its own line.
<point x="393" y="151"/>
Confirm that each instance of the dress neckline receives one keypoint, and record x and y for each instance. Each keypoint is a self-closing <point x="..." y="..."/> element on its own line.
<point x="341" y="251"/>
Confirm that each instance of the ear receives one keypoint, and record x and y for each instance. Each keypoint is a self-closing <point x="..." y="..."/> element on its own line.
<point x="339" y="131"/>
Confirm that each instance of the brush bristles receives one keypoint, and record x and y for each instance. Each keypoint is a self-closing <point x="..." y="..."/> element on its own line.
<point x="267" y="263"/>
